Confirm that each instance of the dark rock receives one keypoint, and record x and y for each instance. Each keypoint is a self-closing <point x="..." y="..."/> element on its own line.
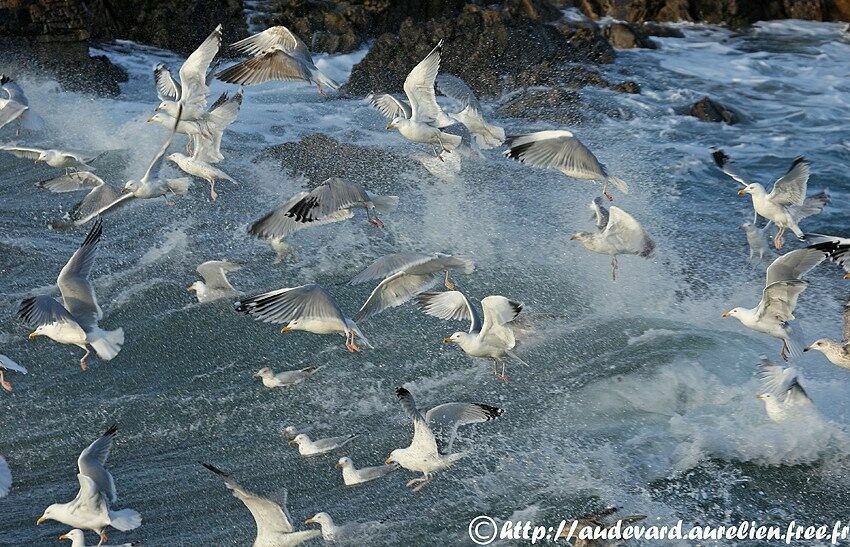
<point x="661" y="31"/>
<point x="711" y="111"/>
<point x="626" y="36"/>
<point x="342" y="26"/>
<point x="559" y="105"/>
<point x="318" y="157"/>
<point x="483" y="47"/>
<point x="45" y="20"/>
<point x="629" y="86"/>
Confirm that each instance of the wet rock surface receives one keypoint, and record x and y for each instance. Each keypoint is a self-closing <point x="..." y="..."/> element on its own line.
<point x="709" y="110"/>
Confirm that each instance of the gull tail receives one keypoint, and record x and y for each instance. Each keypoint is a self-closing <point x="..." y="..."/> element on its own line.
<point x="125" y="519"/>
<point x="492" y="137"/>
<point x="179" y="185"/>
<point x="320" y="79"/>
<point x="515" y="357"/>
<point x="107" y="343"/>
<point x="618" y="183"/>
<point x="450" y="141"/>
<point x="384" y="203"/>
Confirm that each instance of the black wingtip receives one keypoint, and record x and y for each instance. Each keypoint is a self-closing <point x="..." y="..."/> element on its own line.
<point x="799" y="160"/>
<point x="720" y="158"/>
<point x="516" y="307"/>
<point x="517" y="152"/>
<point x="112" y="431"/>
<point x="400" y="392"/>
<point x="492" y="412"/>
<point x="213" y="468"/>
<point x="240" y="306"/>
<point x="4" y="79"/>
<point x="25" y="308"/>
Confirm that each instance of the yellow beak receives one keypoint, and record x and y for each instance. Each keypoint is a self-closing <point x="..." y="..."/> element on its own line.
<point x="190" y="288"/>
<point x="743" y="192"/>
<point x="759" y="397"/>
<point x="150" y="119"/>
<point x="390" y="126"/>
<point x="63" y="536"/>
<point x="447" y="340"/>
<point x="285" y="329"/>
<point x="40" y="520"/>
<point x="293" y="443"/>
<point x="338" y="466"/>
<point x="309" y="521"/>
<point x="572" y="238"/>
<point x="32" y="335"/>
<point x="727" y="314"/>
<point x="847" y="276"/>
<point x="388" y="461"/>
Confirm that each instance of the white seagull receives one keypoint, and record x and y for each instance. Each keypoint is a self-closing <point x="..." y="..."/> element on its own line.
<point x="16" y="106"/>
<point x="352" y="476"/>
<point x="7" y="365"/>
<point x="430" y="450"/>
<point x="332" y="201"/>
<point x="61" y="159"/>
<point x="274" y="524"/>
<point x="426" y="117"/>
<point x="782" y="394"/>
<point x="786" y="204"/>
<point x="775" y="311"/>
<point x="308" y="447"/>
<point x="90" y="510"/>
<point x="756" y="242"/>
<point x="75" y="320"/>
<point x="332" y="532"/>
<point x="188" y="101"/>
<point x="562" y="151"/>
<point x="837" y="352"/>
<point x="201" y="169"/>
<point x="215" y="285"/>
<point x="285" y="378"/>
<point x="278" y="55"/>
<point x="306" y="308"/>
<point x="617" y="233"/>
<point x="78" y="539"/>
<point x="484" y="135"/>
<point x="404" y="276"/>
<point x="492" y="338"/>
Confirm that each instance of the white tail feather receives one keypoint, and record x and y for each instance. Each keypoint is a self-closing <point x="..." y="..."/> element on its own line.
<point x="107" y="344"/>
<point x="384" y="203"/>
<point x="125" y="519"/>
<point x="620" y="184"/>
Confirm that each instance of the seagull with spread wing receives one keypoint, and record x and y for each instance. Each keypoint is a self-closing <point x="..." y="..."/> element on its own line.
<point x="61" y="159"/>
<point x="426" y="117"/>
<point x="430" y="451"/>
<point x="306" y="308"/>
<point x="75" y="320"/>
<point x="404" y="276"/>
<point x="837" y="352"/>
<point x="16" y="106"/>
<point x="837" y="249"/>
<point x="7" y="365"/>
<point x="493" y="338"/>
<point x="278" y="55"/>
<point x="562" y="151"/>
<point x="782" y="394"/>
<point x="786" y="204"/>
<point x="617" y="233"/>
<point x="274" y="523"/>
<point x="201" y="169"/>
<point x="332" y="201"/>
<point x="188" y="100"/>
<point x="90" y="510"/>
<point x="215" y="285"/>
<point x="775" y="311"/>
<point x="484" y="135"/>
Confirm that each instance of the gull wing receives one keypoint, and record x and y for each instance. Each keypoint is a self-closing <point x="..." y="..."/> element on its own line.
<point x="166" y="88"/>
<point x="626" y="233"/>
<point x="10" y="111"/>
<point x="837" y="249"/>
<point x="22" y="152"/>
<point x="423" y="438"/>
<point x="394" y="291"/>
<point x="43" y="310"/>
<point x="77" y="293"/>
<point x="307" y="302"/>
<point x="557" y="149"/>
<point x="790" y="189"/>
<point x="600" y="213"/>
<point x="419" y="87"/>
<point x="390" y="264"/>
<point x="274" y="64"/>
<point x="389" y="106"/>
<point x="779" y="299"/>
<point x="100" y="200"/>
<point x="722" y="160"/>
<point x="272" y="519"/>
<point x="281" y="222"/>
<point x="92" y="461"/>
<point x="499" y="311"/>
<point x="273" y="37"/>
<point x="794" y="265"/>
<point x="775" y="379"/>
<point x="156" y="163"/>
<point x="215" y="273"/>
<point x="7" y="364"/>
<point x="456" y="89"/>
<point x="88" y="499"/>
<point x="450" y="305"/>
<point x="193" y="73"/>
<point x="71" y="182"/>
<point x="445" y="419"/>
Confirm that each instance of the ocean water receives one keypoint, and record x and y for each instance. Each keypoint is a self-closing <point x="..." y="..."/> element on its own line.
<point x="641" y="397"/>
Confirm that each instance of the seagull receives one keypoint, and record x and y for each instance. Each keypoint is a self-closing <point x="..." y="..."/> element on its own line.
<point x="755" y="240"/>
<point x="78" y="539"/>
<point x="90" y="509"/>
<point x="61" y="159"/>
<point x="307" y="447"/>
<point x="786" y="204"/>
<point x="331" y="201"/>
<point x="485" y="135"/>
<point x="189" y="101"/>
<point x="285" y="378"/>
<point x="5" y="478"/>
<point x="404" y="276"/>
<point x="491" y="338"/>
<point x="6" y="365"/>
<point x="15" y="106"/>
<point x="430" y="450"/>
<point x="782" y="394"/>
<point x="618" y="234"/>
<point x="215" y="285"/>
<point x="783" y="286"/>
<point x="201" y="169"/>
<point x="75" y="320"/>
<point x="352" y="476"/>
<point x="426" y="117"/>
<point x="278" y="55"/>
<point x="205" y="134"/>
<point x="837" y="249"/>
<point x="838" y="353"/>
<point x="562" y="151"/>
<point x="332" y="532"/>
<point x="103" y="198"/>
<point x="274" y="524"/>
<point x="307" y="308"/>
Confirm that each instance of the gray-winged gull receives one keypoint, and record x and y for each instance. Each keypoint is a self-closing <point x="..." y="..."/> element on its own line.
<point x="837" y="352"/>
<point x="308" y="447"/>
<point x="352" y="476"/>
<point x="285" y="378"/>
<point x="215" y="285"/>
<point x="620" y="234"/>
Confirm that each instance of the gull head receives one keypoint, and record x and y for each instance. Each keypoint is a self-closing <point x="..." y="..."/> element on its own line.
<point x="766" y="397"/>
<point x="394" y="123"/>
<point x="344" y="462"/>
<point x="292" y="325"/>
<point x="160" y="118"/>
<point x="290" y="429"/>
<point x="43" y="156"/>
<point x="817" y="345"/>
<point x="49" y="514"/>
<point x="581" y="237"/>
<point x="196" y="286"/>
<point x="322" y="519"/>
<point x="393" y="457"/>
<point x="455" y="338"/>
<point x="175" y="157"/>
<point x="300" y="438"/>
<point x="751" y="189"/>
<point x="75" y="535"/>
<point x="39" y="331"/>
<point x="130" y="186"/>
<point x="264" y="372"/>
<point x="734" y="312"/>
